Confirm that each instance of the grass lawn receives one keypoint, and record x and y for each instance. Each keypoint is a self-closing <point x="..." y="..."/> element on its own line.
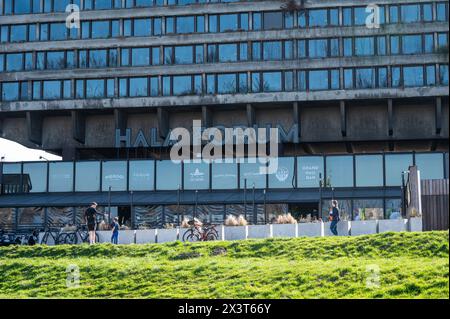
<point x="411" y="265"/>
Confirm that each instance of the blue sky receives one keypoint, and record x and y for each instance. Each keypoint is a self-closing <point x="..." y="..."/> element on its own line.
<point x="14" y="152"/>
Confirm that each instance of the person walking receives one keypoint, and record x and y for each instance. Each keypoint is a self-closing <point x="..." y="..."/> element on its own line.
<point x="115" y="231"/>
<point x="334" y="217"/>
<point x="90" y="218"/>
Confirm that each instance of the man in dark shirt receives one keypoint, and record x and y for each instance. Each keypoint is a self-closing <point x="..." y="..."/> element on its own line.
<point x="91" y="221"/>
<point x="334" y="216"/>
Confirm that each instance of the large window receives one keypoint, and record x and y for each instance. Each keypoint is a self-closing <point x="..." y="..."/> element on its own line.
<point x="35" y="174"/>
<point x="114" y="175"/>
<point x="60" y="178"/>
<point x="224" y="175"/>
<point x="284" y="175"/>
<point x="141" y="175"/>
<point x="196" y="176"/>
<point x="369" y="170"/>
<point x="87" y="176"/>
<point x="396" y="164"/>
<point x="168" y="175"/>
<point x="431" y="166"/>
<point x="310" y="170"/>
<point x="340" y="171"/>
<point x="251" y="175"/>
<point x="368" y="209"/>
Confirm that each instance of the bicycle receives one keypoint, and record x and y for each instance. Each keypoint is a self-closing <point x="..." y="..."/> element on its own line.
<point x="200" y="232"/>
<point x="53" y="233"/>
<point x="79" y="234"/>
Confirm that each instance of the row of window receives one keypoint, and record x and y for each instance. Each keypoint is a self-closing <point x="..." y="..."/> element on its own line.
<point x="276" y="20"/>
<point x="303" y="172"/>
<point x="227" y="52"/>
<point x="11" y="7"/>
<point x="228" y="83"/>
<point x="320" y="17"/>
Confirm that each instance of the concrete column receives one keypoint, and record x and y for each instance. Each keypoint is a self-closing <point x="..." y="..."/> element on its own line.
<point x="297" y="120"/>
<point x="251" y="118"/>
<point x="390" y="117"/>
<point x="1" y="126"/>
<point x="34" y="127"/>
<point x="163" y="122"/>
<point x="207" y="116"/>
<point x="343" y="118"/>
<point x="120" y="120"/>
<point x="79" y="126"/>
<point x="438" y="115"/>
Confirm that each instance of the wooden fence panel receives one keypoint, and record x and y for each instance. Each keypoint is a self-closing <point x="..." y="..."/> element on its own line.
<point x="435" y="204"/>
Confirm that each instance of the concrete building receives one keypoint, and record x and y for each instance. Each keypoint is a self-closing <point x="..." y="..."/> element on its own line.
<point x="359" y="93"/>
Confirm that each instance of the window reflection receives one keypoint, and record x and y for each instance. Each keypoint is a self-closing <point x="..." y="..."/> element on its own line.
<point x="87" y="176"/>
<point x="430" y="166"/>
<point x="368" y="209"/>
<point x="309" y="171"/>
<point x="141" y="175"/>
<point x="37" y="174"/>
<point x="369" y="170"/>
<point x="340" y="171"/>
<point x="60" y="177"/>
<point x="224" y="175"/>
<point x="168" y="175"/>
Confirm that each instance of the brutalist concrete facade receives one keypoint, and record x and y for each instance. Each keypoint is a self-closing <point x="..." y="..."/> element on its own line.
<point x="330" y="121"/>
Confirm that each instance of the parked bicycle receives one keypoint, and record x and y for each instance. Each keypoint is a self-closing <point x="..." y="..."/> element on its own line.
<point x="200" y="232"/>
<point x="78" y="234"/>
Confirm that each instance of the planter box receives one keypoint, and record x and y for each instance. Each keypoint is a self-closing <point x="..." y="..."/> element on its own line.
<point x="363" y="227"/>
<point x="284" y="230"/>
<point x="310" y="229"/>
<point x="235" y="232"/>
<point x="343" y="228"/>
<point x="415" y="224"/>
<point x="166" y="235"/>
<point x="145" y="236"/>
<point x="258" y="231"/>
<point x="125" y="237"/>
<point x="50" y="241"/>
<point x="396" y="225"/>
<point x="105" y="236"/>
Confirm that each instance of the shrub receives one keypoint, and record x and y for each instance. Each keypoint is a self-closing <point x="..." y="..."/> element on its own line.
<point x="242" y="221"/>
<point x="231" y="221"/>
<point x="286" y="219"/>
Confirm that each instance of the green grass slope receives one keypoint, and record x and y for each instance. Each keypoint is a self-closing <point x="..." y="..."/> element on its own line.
<point x="411" y="265"/>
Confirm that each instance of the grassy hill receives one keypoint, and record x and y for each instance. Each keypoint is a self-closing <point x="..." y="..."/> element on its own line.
<point x="411" y="265"/>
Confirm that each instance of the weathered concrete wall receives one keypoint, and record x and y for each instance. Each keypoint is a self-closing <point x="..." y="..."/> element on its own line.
<point x="414" y="121"/>
<point x="318" y="123"/>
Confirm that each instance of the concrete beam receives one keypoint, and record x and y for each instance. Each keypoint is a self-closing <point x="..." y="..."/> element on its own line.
<point x="34" y="127"/>
<point x="221" y="99"/>
<point x="343" y="114"/>
<point x="207" y="116"/>
<point x="163" y="122"/>
<point x="78" y="126"/>
<point x="210" y="8"/>
<point x="438" y="114"/>
<point x="251" y="117"/>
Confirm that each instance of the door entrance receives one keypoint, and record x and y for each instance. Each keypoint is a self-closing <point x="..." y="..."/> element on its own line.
<point x="124" y="214"/>
<point x="302" y="210"/>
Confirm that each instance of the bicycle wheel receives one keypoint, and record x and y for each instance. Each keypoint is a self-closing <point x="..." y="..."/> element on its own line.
<point x="44" y="239"/>
<point x="190" y="236"/>
<point x="69" y="239"/>
<point x="211" y="235"/>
